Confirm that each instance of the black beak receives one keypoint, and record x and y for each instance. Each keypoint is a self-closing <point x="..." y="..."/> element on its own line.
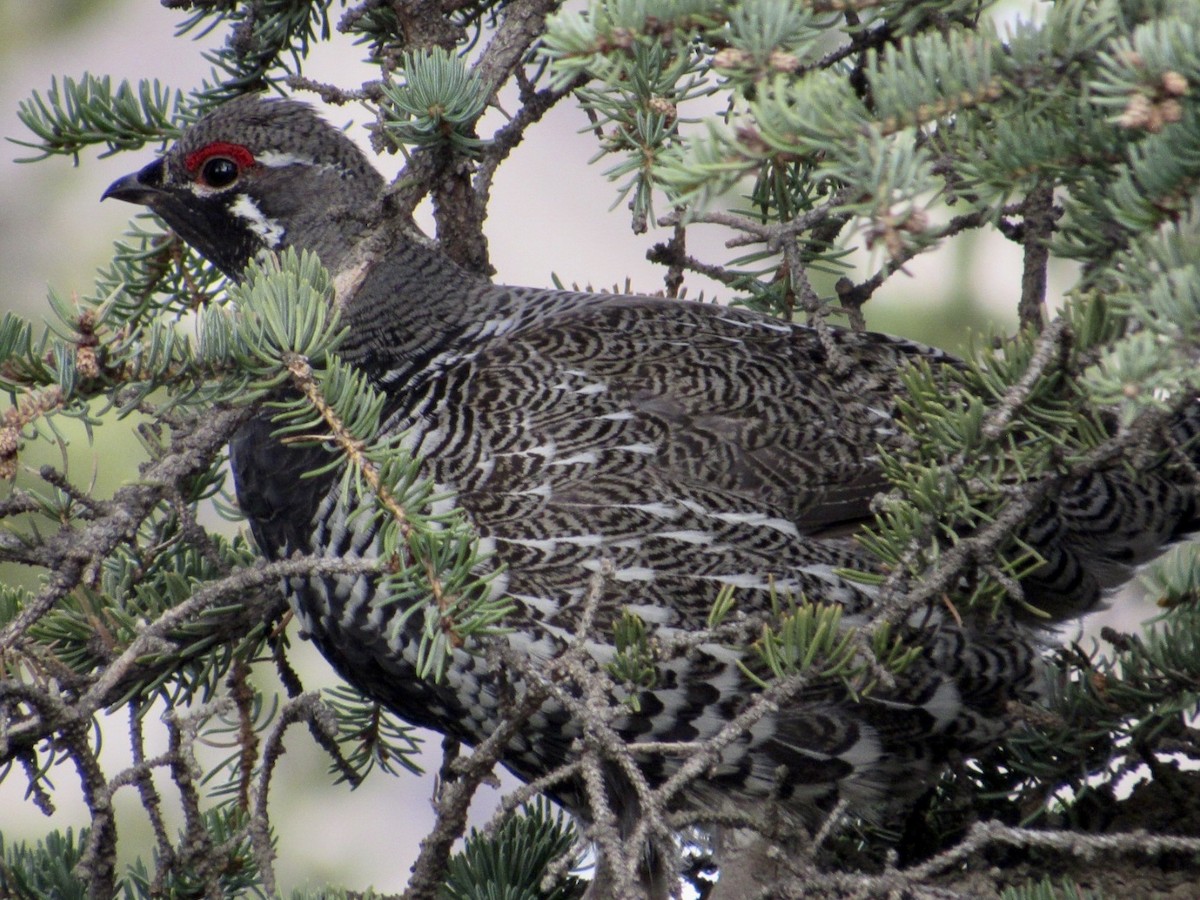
<point x="141" y="187"/>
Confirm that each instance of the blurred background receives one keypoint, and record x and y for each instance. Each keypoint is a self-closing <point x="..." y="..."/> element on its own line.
<point x="550" y="216"/>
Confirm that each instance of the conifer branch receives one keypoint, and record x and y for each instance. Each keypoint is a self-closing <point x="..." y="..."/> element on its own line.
<point x="841" y="125"/>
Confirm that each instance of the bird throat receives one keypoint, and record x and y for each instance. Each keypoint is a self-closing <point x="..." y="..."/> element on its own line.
<point x="269" y="232"/>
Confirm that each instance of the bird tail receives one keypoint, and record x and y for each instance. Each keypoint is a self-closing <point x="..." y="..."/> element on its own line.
<point x="1101" y="526"/>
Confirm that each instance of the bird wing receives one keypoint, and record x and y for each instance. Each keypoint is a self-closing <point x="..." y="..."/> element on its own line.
<point x="691" y="446"/>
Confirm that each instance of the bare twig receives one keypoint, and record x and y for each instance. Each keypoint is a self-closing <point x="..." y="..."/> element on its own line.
<point x="1040" y="217"/>
<point x="69" y="554"/>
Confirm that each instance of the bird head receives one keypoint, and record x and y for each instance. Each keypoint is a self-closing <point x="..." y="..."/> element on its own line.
<point x="257" y="175"/>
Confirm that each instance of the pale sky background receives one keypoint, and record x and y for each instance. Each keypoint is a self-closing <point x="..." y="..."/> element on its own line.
<point x="547" y="217"/>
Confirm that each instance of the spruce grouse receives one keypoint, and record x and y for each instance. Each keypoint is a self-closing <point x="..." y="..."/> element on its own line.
<point x="679" y="446"/>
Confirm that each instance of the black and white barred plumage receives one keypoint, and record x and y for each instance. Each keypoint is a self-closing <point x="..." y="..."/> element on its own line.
<point x="683" y="446"/>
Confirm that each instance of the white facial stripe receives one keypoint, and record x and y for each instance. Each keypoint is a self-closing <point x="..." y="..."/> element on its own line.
<point x="271" y="232"/>
<point x="275" y="159"/>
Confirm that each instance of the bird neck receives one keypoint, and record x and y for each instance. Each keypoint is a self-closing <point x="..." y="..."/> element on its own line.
<point x="405" y="306"/>
<point x="335" y="235"/>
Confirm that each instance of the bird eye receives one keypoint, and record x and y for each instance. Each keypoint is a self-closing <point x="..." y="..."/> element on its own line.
<point x="219" y="172"/>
